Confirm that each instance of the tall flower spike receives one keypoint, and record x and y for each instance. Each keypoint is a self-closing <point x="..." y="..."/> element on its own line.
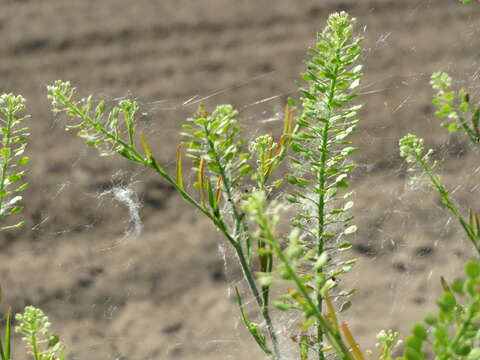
<point x="320" y="164"/>
<point x="34" y="325"/>
<point x="13" y="141"/>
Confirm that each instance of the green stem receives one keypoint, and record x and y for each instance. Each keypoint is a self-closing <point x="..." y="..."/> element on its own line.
<point x="36" y="355"/>
<point x="218" y="222"/>
<point x="260" y="302"/>
<point x="465" y="325"/>
<point x="321" y="177"/>
<point x="83" y="115"/>
<point x="241" y="230"/>
<point x="448" y="203"/>
<point x="333" y="336"/>
<point x="241" y="227"/>
<point x="471" y="134"/>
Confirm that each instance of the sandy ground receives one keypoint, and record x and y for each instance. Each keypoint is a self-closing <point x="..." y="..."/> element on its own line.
<point x="166" y="293"/>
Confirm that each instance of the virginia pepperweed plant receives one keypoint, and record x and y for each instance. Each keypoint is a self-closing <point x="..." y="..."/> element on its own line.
<point x="300" y="265"/>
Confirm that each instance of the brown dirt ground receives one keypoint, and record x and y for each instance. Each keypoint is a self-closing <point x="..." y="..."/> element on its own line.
<point x="164" y="294"/>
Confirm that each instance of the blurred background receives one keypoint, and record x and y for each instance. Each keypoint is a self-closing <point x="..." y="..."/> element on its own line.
<point x="166" y="293"/>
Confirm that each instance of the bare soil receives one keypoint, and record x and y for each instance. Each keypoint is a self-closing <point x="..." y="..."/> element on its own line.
<point x="166" y="294"/>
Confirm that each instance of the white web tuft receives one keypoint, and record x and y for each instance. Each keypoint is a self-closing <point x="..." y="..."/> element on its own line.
<point x="128" y="197"/>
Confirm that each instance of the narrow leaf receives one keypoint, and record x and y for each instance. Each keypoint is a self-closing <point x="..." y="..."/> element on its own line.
<point x="288" y="121"/>
<point x="210" y="195"/>
<point x="280" y="144"/>
<point x="445" y="284"/>
<point x="251" y="327"/>
<point x="147" y="150"/>
<point x="201" y="170"/>
<point x="350" y="230"/>
<point x="331" y="311"/>
<point x="8" y="335"/>
<point x="219" y="190"/>
<point x="351" y="341"/>
<point x="476" y="121"/>
<point x="179" y="168"/>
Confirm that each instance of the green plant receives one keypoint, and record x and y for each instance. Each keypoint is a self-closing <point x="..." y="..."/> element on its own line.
<point x="455" y="331"/>
<point x="456" y="107"/>
<point x="315" y="146"/>
<point x="12" y="157"/>
<point x="411" y="148"/>
<point x="301" y="262"/>
<point x="321" y="150"/>
<point x="5" y="345"/>
<point x="33" y="324"/>
<point x="223" y="165"/>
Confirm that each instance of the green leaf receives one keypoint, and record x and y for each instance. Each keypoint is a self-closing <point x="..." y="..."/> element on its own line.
<point x="414" y="342"/>
<point x="53" y="340"/>
<point x="291" y="198"/>
<point x="12" y="178"/>
<point x="412" y="354"/>
<point x="354" y="84"/>
<point x="447" y="303"/>
<point x="321" y="261"/>
<point x="472" y="269"/>
<point x="16" y="210"/>
<point x="430" y="320"/>
<point x="452" y="127"/>
<point x="476" y="120"/>
<point x="265" y="280"/>
<point x="5" y="152"/>
<point x="21" y="187"/>
<point x="457" y="286"/>
<point x="441" y="334"/>
<point x="469" y="287"/>
<point x="348" y="206"/>
<point x="6" y="344"/>
<point x="245" y="170"/>
<point x="280" y="305"/>
<point x="420" y="332"/>
<point x="345" y="306"/>
<point x="350" y="230"/>
<point x="462" y="350"/>
<point x="23" y="161"/>
<point x="345" y="246"/>
<point x="179" y="168"/>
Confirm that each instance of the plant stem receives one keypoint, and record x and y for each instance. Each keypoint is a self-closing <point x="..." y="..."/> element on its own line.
<point x="241" y="230"/>
<point x="334" y="337"/>
<point x="471" y="134"/>
<point x="447" y="202"/>
<point x="260" y="302"/>
<point x="321" y="178"/>
<point x="83" y="115"/>
<point x="465" y="325"/>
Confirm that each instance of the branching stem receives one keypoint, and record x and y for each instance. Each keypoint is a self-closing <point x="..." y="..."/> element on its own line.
<point x="241" y="231"/>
